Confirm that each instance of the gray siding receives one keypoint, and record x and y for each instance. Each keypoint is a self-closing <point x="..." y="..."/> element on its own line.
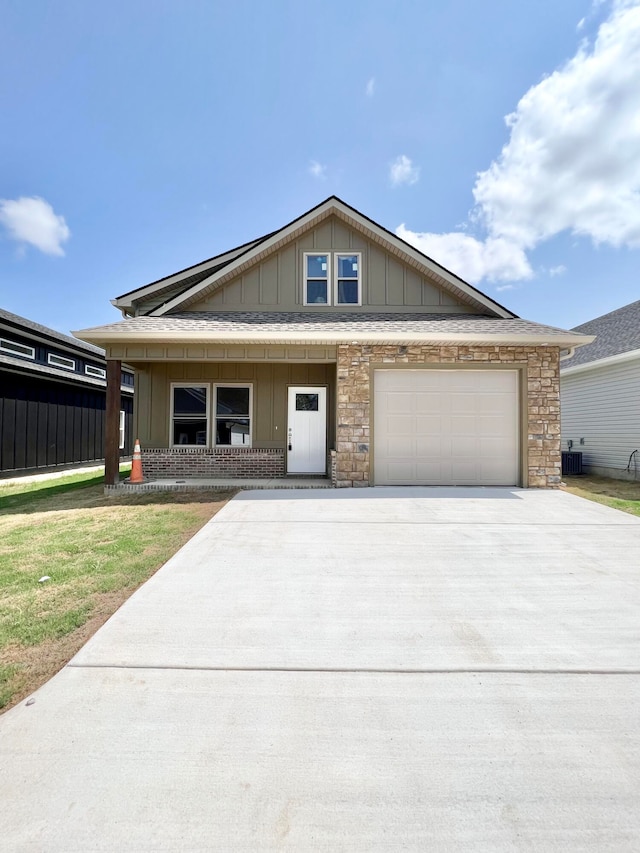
<point x="602" y="406"/>
<point x="277" y="282"/>
<point x="270" y="381"/>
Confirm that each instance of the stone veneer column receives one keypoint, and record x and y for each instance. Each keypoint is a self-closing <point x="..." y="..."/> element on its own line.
<point x="353" y="401"/>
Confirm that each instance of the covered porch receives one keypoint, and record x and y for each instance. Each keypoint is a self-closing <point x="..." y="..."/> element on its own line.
<point x="217" y="417"/>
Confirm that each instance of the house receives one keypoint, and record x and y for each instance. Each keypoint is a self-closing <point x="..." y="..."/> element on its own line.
<point x="600" y="390"/>
<point x="332" y="347"/>
<point x="52" y="399"/>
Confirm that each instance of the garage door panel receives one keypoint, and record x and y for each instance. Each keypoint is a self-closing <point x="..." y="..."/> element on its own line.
<point x="456" y="427"/>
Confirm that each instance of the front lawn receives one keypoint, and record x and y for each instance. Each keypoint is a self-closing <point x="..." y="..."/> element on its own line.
<point x="619" y="494"/>
<point x="95" y="550"/>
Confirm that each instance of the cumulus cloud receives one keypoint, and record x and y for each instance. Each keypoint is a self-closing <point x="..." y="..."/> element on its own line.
<point x="34" y="222"/>
<point x="371" y="85"/>
<point x="494" y="259"/>
<point x="402" y="171"/>
<point x="572" y="161"/>
<point x="318" y="170"/>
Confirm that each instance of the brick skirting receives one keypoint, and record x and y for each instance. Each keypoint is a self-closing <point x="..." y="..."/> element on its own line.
<point x="211" y="463"/>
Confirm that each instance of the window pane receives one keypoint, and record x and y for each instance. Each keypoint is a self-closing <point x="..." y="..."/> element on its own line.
<point x="317" y="292"/>
<point x="347" y="266"/>
<point x="306" y="402"/>
<point x="348" y="292"/>
<point x="317" y="266"/>
<point x="232" y="401"/>
<point x="233" y="431"/>
<point x="189" y="401"/>
<point x="190" y="431"/>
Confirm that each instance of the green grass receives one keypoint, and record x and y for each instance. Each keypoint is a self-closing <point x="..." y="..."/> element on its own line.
<point x="17" y="493"/>
<point x="618" y="494"/>
<point x="96" y="550"/>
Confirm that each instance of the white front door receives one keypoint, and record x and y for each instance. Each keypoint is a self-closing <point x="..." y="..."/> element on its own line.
<point x="307" y="430"/>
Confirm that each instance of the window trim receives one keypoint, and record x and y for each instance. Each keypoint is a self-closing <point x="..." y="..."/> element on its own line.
<point x="70" y="366"/>
<point x="214" y="406"/>
<point x="9" y="351"/>
<point x="100" y="373"/>
<point x="121" y="430"/>
<point x="306" y="278"/>
<point x="194" y="384"/>
<point x="337" y="278"/>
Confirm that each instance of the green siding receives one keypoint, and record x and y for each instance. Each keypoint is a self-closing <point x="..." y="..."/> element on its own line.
<point x="269" y="381"/>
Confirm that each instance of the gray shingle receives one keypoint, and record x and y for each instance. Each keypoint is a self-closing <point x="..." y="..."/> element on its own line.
<point x="244" y="322"/>
<point x="617" y="332"/>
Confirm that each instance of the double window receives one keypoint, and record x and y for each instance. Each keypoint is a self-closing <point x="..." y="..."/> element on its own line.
<point x="191" y="417"/>
<point x="332" y="278"/>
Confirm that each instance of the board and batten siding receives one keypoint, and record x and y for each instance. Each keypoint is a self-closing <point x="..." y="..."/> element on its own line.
<point x="270" y="382"/>
<point x="602" y="406"/>
<point x="276" y="283"/>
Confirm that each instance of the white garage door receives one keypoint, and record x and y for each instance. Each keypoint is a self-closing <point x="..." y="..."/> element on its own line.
<point x="446" y="427"/>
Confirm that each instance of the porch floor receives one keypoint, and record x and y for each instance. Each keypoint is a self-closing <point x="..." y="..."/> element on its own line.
<point x="184" y="484"/>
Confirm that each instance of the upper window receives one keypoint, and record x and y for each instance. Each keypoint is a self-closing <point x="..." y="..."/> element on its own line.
<point x="332" y="278"/>
<point x="317" y="280"/>
<point x="189" y="415"/>
<point x="347" y="280"/>
<point x="233" y="415"/>
<point x="61" y="361"/>
<point x="14" y="348"/>
<point x="99" y="372"/>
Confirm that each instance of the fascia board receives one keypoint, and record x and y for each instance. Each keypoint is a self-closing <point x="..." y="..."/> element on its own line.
<point x="322" y="211"/>
<point x="329" y="338"/>
<point x="620" y="358"/>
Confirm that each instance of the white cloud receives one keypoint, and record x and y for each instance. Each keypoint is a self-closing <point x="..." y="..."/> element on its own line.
<point x="33" y="221"/>
<point x="371" y="85"/>
<point x="559" y="270"/>
<point x="402" y="171"/>
<point x="572" y="161"/>
<point x="494" y="259"/>
<point x="318" y="170"/>
<point x="502" y="287"/>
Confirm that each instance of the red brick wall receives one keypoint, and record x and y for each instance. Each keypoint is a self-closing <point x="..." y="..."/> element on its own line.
<point x="208" y="463"/>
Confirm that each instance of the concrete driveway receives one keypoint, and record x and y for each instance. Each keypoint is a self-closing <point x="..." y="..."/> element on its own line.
<point x="385" y="669"/>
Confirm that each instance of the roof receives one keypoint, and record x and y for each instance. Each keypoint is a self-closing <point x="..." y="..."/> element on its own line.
<point x="204" y="278"/>
<point x="617" y="332"/>
<point x="301" y="327"/>
<point x="22" y="324"/>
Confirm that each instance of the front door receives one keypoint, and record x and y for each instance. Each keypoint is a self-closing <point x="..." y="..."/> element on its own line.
<point x="307" y="430"/>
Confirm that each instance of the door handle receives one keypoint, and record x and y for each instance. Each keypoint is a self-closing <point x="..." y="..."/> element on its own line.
<point x="290" y="444"/>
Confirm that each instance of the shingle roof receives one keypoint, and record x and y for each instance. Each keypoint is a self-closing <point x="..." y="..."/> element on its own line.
<point x="245" y="324"/>
<point x="29" y="325"/>
<point x="617" y="332"/>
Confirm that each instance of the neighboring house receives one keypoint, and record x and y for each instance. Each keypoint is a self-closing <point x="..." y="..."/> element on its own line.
<point x="332" y="347"/>
<point x="600" y="390"/>
<point x="52" y="399"/>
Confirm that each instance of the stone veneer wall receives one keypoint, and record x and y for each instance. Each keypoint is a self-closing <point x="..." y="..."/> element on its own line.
<point x="212" y="463"/>
<point x="353" y="401"/>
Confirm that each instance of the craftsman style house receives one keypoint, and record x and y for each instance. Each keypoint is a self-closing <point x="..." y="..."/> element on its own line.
<point x="333" y="348"/>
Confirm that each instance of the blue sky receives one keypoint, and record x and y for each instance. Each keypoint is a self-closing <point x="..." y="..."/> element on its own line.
<point x="139" y="138"/>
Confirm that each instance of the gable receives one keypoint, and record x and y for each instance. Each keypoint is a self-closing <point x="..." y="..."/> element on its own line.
<point x="396" y="276"/>
<point x="277" y="282"/>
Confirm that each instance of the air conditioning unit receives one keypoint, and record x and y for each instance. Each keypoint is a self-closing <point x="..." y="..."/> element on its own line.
<point x="571" y="462"/>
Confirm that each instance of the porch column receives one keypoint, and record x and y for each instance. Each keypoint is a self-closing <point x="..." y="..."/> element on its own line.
<point x="112" y="424"/>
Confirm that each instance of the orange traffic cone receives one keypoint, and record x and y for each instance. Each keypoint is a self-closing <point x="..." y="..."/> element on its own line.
<point x="136" y="465"/>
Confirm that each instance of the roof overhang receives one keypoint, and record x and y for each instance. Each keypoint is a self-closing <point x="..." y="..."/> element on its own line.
<point x="329" y="338"/>
<point x="622" y="357"/>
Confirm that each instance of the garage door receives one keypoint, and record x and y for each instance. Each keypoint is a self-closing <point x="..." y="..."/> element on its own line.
<point x="446" y="427"/>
